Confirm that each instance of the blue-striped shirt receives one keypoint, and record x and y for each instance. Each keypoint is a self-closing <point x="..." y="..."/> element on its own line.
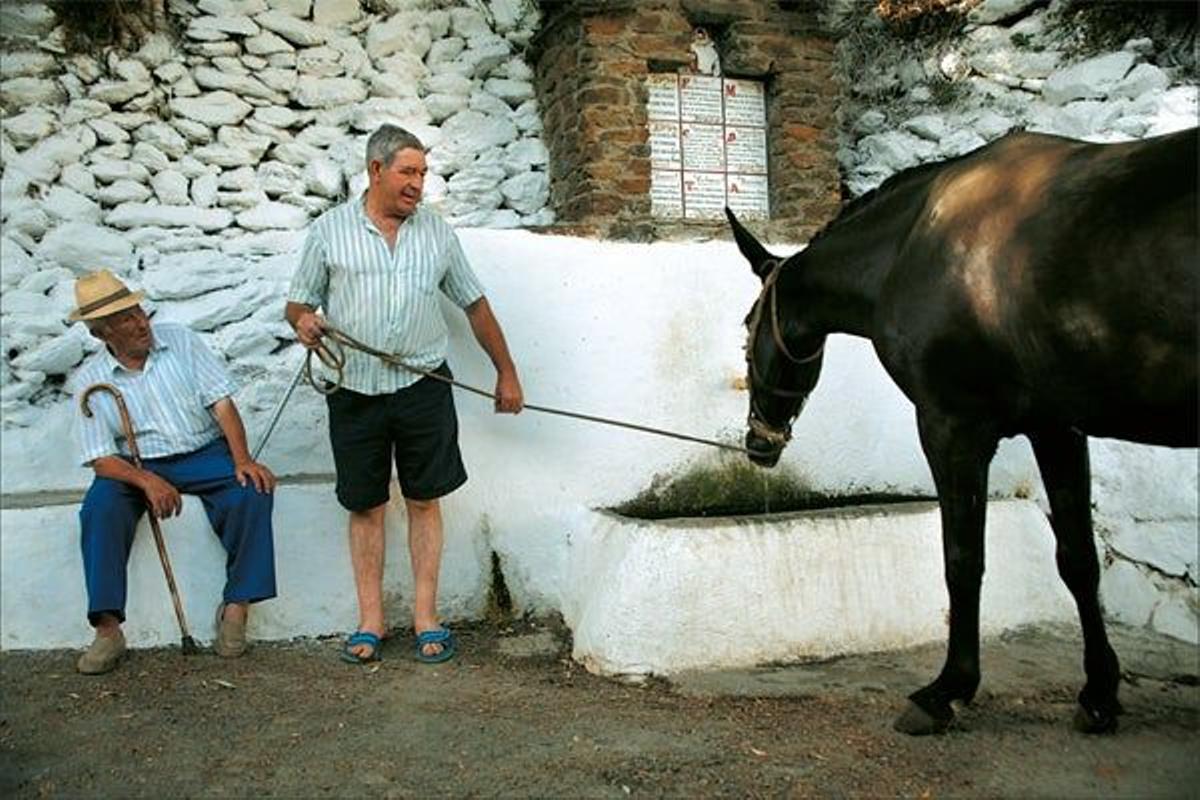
<point x="385" y="299"/>
<point x="168" y="399"/>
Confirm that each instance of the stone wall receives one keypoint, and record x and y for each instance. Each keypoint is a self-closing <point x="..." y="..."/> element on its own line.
<point x="193" y="165"/>
<point x="592" y="58"/>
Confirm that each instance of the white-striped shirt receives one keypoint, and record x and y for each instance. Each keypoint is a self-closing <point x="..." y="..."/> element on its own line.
<point x="168" y="399"/>
<point x="385" y="299"/>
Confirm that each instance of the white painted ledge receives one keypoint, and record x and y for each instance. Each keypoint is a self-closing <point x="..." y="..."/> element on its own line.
<point x="663" y="597"/>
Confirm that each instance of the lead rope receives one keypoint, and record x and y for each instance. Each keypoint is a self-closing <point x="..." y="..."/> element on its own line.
<point x="336" y="361"/>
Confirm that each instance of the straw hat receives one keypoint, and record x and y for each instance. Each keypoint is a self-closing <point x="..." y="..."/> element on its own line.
<point x="99" y="294"/>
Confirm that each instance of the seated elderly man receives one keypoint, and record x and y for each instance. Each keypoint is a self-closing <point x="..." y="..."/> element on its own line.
<point x="191" y="439"/>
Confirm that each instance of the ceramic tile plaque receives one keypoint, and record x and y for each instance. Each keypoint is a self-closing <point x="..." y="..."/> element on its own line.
<point x="708" y="146"/>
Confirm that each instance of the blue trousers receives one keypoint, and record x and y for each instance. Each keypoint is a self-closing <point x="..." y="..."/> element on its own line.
<point x="240" y="517"/>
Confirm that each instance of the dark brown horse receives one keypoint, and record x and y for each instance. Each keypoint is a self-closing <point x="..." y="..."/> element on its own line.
<point x="1036" y="286"/>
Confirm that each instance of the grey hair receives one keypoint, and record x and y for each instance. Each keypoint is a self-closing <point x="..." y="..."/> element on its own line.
<point x="388" y="140"/>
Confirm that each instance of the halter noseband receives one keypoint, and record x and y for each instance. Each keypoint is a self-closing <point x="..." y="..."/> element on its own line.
<point x="776" y="436"/>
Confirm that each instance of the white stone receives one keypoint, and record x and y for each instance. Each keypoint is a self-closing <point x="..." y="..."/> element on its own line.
<point x="407" y="112"/>
<point x="448" y="83"/>
<point x="204" y="190"/>
<point x="277" y="177"/>
<point x="469" y="23"/>
<point x="402" y="32"/>
<point x="1178" y="615"/>
<point x="296" y="153"/>
<point x="526" y="117"/>
<point x="1142" y="79"/>
<point x="164" y="138"/>
<point x="124" y="191"/>
<point x="27" y="217"/>
<point x="297" y="8"/>
<point x="232" y="7"/>
<point x="320" y="135"/>
<point x="55" y="356"/>
<point x="351" y="55"/>
<point x="118" y="92"/>
<point x="180" y="276"/>
<point x="524" y="154"/>
<point x="511" y="91"/>
<point x="108" y="131"/>
<point x="472" y="132"/>
<point x="1093" y="78"/>
<point x="398" y="75"/>
<point x="443" y="106"/>
<point x="80" y="247"/>
<point x="328" y="92"/>
<point x="241" y="85"/>
<point x="527" y="192"/>
<point x="205" y="27"/>
<point x="1127" y="593"/>
<point x="194" y="132"/>
<point x="78" y="178"/>
<point x="276" y="116"/>
<point x="15" y="263"/>
<point x="171" y="188"/>
<point x="134" y="215"/>
<point x="26" y="63"/>
<point x="296" y="31"/>
<point x="323" y="178"/>
<point x="221" y="155"/>
<point x="443" y="51"/>
<point x="959" y="142"/>
<point x="167" y="240"/>
<point x="242" y="140"/>
<point x="241" y="178"/>
<point x="29" y="126"/>
<point x="266" y="243"/>
<point x="64" y="204"/>
<point x="321" y="62"/>
<point x="240" y="201"/>
<point x="483" y="56"/>
<point x="68" y="146"/>
<point x="214" y="309"/>
<point x="927" y="126"/>
<point x="272" y="216"/>
<point x="331" y="13"/>
<point x="268" y="132"/>
<point x="150" y="156"/>
<point x="107" y="171"/>
<point x="266" y="44"/>
<point x="84" y="109"/>
<point x="212" y="109"/>
<point x="990" y="124"/>
<point x="517" y="69"/>
<point x="281" y="80"/>
<point x="29" y="91"/>
<point x="489" y="105"/>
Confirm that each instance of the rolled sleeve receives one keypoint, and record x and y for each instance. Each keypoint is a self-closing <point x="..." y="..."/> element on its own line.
<point x="213" y="380"/>
<point x="459" y="283"/>
<point x="310" y="283"/>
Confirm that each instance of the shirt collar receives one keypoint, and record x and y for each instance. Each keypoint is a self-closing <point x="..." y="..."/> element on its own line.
<point x="113" y="366"/>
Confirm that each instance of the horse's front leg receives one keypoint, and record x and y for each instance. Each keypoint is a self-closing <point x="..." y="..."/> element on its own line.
<point x="1062" y="457"/>
<point x="959" y="453"/>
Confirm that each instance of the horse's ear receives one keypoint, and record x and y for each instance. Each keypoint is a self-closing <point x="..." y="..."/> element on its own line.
<point x="758" y="256"/>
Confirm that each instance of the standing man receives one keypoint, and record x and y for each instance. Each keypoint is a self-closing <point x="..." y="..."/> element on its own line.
<point x="375" y="265"/>
<point x="190" y="438"/>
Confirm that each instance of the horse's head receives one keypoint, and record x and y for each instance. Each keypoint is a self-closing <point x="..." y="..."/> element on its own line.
<point x="783" y="354"/>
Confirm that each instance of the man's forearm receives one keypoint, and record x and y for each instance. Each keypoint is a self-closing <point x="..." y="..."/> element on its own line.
<point x="489" y="335"/>
<point x="118" y="469"/>
<point x="230" y="422"/>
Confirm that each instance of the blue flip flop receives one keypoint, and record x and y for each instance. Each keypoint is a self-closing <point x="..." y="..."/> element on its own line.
<point x="441" y="636"/>
<point x="359" y="638"/>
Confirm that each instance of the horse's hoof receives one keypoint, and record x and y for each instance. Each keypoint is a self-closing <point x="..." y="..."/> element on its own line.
<point x="1094" y="720"/>
<point x="916" y="721"/>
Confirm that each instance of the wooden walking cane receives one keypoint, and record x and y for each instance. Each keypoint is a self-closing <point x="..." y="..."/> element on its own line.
<point x="187" y="643"/>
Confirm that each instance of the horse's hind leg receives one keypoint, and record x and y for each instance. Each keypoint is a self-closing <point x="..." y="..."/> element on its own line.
<point x="959" y="454"/>
<point x="1062" y="457"/>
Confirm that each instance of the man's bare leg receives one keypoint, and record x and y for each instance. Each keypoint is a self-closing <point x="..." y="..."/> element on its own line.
<point x="366" y="557"/>
<point x="425" y="550"/>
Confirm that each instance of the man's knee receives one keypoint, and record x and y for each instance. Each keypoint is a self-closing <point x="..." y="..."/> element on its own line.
<point x="249" y="500"/>
<point x="421" y="507"/>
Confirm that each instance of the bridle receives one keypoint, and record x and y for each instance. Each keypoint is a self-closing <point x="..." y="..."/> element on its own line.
<point x="768" y="300"/>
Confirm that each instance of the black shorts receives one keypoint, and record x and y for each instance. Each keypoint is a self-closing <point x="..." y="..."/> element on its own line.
<point x="417" y="426"/>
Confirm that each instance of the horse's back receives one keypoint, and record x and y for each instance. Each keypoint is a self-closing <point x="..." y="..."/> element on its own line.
<point x="1057" y="283"/>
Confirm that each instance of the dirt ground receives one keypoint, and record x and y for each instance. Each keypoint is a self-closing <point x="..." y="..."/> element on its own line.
<point x="513" y="716"/>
